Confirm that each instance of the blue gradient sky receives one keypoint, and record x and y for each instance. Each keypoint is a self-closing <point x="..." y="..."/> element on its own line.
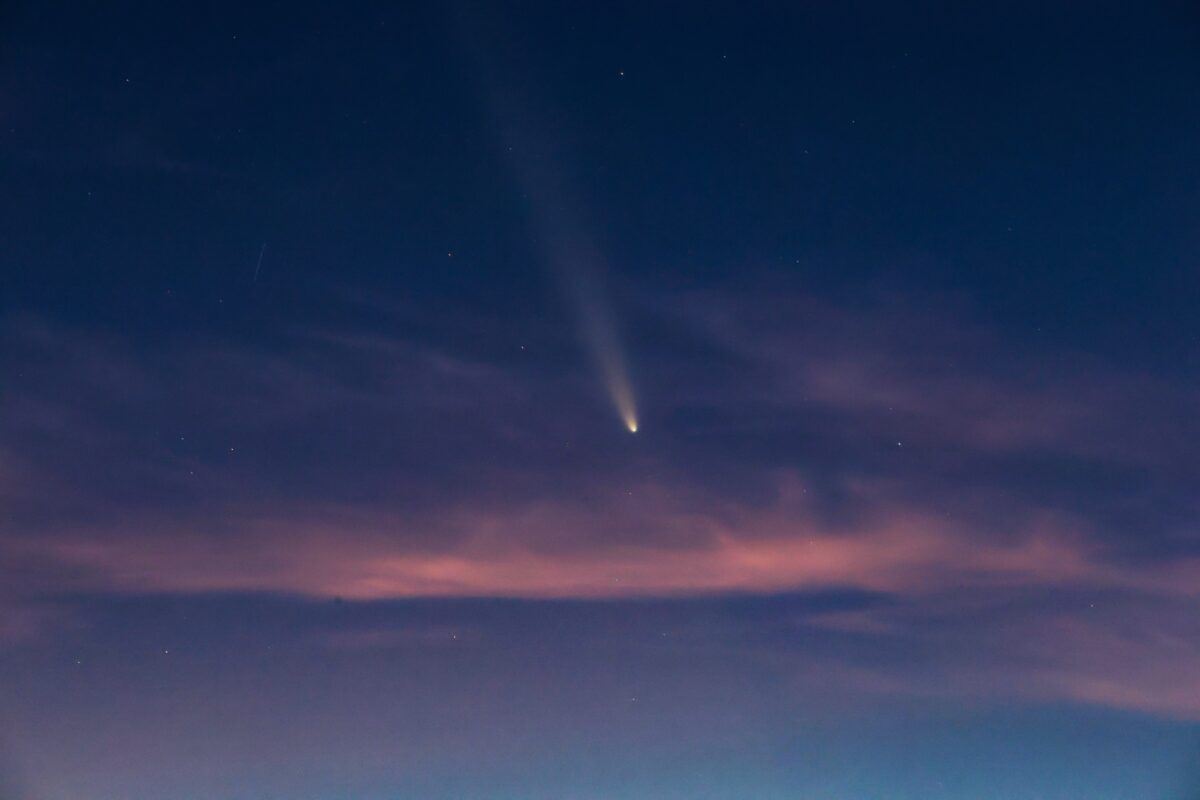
<point x="242" y="697"/>
<point x="905" y="297"/>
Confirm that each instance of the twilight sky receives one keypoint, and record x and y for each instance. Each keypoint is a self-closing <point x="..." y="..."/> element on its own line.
<point x="323" y="328"/>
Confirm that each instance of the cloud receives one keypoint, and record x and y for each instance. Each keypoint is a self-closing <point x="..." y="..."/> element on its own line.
<point x="1121" y="648"/>
<point x="930" y="365"/>
<point x="789" y="445"/>
<point x="648" y="542"/>
<point x="368" y="465"/>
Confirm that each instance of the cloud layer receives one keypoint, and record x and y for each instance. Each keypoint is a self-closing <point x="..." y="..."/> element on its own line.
<point x="788" y="446"/>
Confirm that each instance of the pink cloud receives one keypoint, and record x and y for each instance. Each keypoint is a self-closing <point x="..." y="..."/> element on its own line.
<point x="928" y="366"/>
<point x="504" y="520"/>
<point x="654" y="545"/>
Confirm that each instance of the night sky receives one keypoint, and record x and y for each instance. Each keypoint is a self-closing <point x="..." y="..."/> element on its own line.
<point x="599" y="401"/>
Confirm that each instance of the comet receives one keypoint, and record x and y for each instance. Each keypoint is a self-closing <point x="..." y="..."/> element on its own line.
<point x="558" y="223"/>
<point x="578" y="268"/>
<point x="577" y="264"/>
<point x="578" y="274"/>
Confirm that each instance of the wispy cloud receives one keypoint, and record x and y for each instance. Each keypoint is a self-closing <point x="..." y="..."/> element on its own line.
<point x="790" y="446"/>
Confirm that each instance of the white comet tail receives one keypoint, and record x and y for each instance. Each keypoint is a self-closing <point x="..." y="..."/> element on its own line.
<point x="601" y="337"/>
<point x="561" y="229"/>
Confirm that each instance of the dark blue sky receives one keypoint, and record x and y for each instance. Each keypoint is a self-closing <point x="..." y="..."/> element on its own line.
<point x="1040" y="159"/>
<point x="321" y="329"/>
